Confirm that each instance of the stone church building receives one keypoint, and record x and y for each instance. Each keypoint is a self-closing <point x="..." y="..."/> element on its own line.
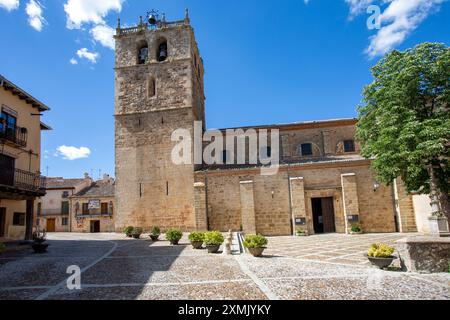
<point x="323" y="183"/>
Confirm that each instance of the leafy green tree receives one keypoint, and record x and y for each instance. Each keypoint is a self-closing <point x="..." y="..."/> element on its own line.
<point x="404" y="122"/>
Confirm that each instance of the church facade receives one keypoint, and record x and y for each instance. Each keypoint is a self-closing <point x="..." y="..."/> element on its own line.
<point x="322" y="183"/>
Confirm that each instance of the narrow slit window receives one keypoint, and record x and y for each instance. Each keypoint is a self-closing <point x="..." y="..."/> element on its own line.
<point x="151" y="87"/>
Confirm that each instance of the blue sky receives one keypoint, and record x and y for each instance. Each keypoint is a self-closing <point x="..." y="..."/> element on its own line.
<point x="266" y="61"/>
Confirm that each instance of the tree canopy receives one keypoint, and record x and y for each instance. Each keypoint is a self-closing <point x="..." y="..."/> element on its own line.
<point x="404" y="121"/>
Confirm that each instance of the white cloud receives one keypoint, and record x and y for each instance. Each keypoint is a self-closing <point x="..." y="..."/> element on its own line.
<point x="9" y="5"/>
<point x="358" y="6"/>
<point x="84" y="53"/>
<point x="398" y="20"/>
<point x="89" y="11"/>
<point x="73" y="61"/>
<point x="73" y="153"/>
<point x="34" y="12"/>
<point x="104" y="34"/>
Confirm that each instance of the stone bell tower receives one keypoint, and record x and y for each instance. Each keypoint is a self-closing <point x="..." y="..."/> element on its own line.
<point x="158" y="89"/>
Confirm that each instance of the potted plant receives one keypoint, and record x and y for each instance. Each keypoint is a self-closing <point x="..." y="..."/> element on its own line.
<point x="256" y="244"/>
<point x="356" y="229"/>
<point x="128" y="231"/>
<point x="39" y="238"/>
<point x="213" y="241"/>
<point x="137" y="232"/>
<point x="196" y="239"/>
<point x="174" y="236"/>
<point x="302" y="233"/>
<point x="155" y="233"/>
<point x="380" y="255"/>
<point x="2" y="247"/>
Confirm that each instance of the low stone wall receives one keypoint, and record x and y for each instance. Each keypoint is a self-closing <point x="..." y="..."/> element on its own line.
<point x="424" y="254"/>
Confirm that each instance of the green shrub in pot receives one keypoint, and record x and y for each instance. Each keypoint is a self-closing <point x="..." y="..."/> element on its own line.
<point x="155" y="233"/>
<point x="196" y="239"/>
<point x="255" y="244"/>
<point x="136" y="233"/>
<point x="128" y="231"/>
<point x="174" y="236"/>
<point x="381" y="255"/>
<point x="213" y="241"/>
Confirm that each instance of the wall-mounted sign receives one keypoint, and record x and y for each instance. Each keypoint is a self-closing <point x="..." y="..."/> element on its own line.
<point x="353" y="218"/>
<point x="94" y="204"/>
<point x="300" y="221"/>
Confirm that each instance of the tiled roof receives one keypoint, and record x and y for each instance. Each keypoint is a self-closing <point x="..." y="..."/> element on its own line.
<point x="300" y="124"/>
<point x="61" y="183"/>
<point x="286" y="162"/>
<point x="99" y="188"/>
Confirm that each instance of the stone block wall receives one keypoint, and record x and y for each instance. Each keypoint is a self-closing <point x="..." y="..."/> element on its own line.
<point x="201" y="218"/>
<point x="248" y="207"/>
<point x="272" y="203"/>
<point x="350" y="198"/>
<point x="150" y="189"/>
<point x="406" y="209"/>
<point x="298" y="203"/>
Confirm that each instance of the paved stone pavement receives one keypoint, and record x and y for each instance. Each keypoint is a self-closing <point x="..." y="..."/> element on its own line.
<point x="337" y="248"/>
<point x="114" y="267"/>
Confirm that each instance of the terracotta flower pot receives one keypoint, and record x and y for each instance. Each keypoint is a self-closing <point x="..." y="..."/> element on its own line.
<point x="381" y="262"/>
<point x="39" y="247"/>
<point x="256" y="252"/>
<point x="197" y="244"/>
<point x="213" y="248"/>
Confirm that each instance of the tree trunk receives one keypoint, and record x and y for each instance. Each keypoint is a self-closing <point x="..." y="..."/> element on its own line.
<point x="434" y="194"/>
<point x="445" y="205"/>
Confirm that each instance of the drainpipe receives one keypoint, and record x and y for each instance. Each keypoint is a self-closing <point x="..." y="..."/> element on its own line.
<point x="290" y="199"/>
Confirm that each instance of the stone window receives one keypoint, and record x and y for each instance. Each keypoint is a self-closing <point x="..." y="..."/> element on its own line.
<point x="306" y="149"/>
<point x="151" y="89"/>
<point x="19" y="219"/>
<point x="162" y="53"/>
<point x="143" y="53"/>
<point x="64" y="221"/>
<point x="349" y="146"/>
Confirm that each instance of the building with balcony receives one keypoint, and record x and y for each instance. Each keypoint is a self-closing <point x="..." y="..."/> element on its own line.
<point x="92" y="209"/>
<point x="21" y="182"/>
<point x="53" y="211"/>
